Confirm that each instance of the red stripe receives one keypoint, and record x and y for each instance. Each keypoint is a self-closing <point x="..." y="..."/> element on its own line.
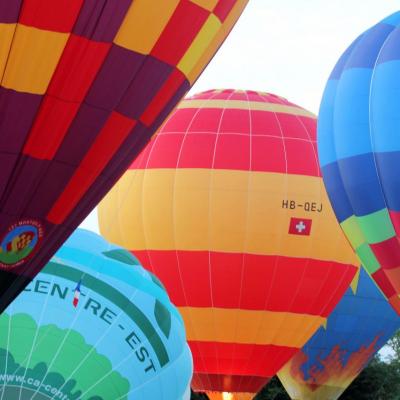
<point x="106" y="144"/>
<point x="228" y="383"/>
<point x="239" y="359"/>
<point x="51" y="15"/>
<point x="277" y="283"/>
<point x="207" y="138"/>
<point x="180" y="31"/>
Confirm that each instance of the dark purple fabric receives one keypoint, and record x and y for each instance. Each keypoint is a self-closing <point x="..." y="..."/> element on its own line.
<point x="5" y="222"/>
<point x="100" y="20"/>
<point x="21" y="189"/>
<point x="9" y="11"/>
<point x="82" y="133"/>
<point x="50" y="184"/>
<point x="119" y="69"/>
<point x="144" y="87"/>
<point x="17" y="111"/>
<point x="7" y="163"/>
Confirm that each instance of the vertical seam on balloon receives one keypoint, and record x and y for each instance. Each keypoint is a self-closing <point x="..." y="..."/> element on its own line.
<point x="249" y="176"/>
<point x="218" y="132"/>
<point x="173" y="219"/>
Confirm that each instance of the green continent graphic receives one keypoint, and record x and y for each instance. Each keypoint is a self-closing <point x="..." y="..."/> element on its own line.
<point x="57" y="369"/>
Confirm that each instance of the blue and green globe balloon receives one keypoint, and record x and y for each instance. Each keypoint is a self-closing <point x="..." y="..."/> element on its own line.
<point x="93" y="325"/>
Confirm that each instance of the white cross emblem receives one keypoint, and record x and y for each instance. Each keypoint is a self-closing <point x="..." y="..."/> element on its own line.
<point x="300" y="227"/>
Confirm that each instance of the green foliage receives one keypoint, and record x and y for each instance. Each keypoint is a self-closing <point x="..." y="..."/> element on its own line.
<point x="379" y="381"/>
<point x="273" y="390"/>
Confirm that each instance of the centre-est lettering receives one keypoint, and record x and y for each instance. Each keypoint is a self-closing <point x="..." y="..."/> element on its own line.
<point x="142" y="354"/>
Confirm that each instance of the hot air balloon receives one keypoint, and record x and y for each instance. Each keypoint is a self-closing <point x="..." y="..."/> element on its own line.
<point x="84" y="85"/>
<point x="93" y="325"/>
<point x="359" y="326"/>
<point x="226" y="205"/>
<point x="359" y="150"/>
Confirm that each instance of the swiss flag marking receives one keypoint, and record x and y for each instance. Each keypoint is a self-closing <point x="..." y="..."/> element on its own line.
<point x="300" y="226"/>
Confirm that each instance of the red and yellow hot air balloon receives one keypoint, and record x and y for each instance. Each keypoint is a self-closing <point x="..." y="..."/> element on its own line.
<point x="84" y="85"/>
<point x="227" y="205"/>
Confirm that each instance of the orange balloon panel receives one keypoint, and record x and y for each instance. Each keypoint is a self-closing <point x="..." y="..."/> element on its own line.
<point x="227" y="206"/>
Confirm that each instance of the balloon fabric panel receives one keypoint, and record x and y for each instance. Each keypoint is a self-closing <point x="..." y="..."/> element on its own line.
<point x="84" y="85"/>
<point x="226" y="205"/>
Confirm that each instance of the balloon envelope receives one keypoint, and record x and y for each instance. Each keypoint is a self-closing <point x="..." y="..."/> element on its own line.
<point x="359" y="150"/>
<point x="359" y="326"/>
<point x="227" y="205"/>
<point x="93" y="325"/>
<point x="85" y="84"/>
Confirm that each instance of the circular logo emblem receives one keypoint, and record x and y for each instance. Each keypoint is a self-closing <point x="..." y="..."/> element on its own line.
<point x="19" y="242"/>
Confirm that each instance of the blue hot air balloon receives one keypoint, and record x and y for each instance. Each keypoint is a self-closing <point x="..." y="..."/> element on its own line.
<point x="93" y="325"/>
<point x="359" y="150"/>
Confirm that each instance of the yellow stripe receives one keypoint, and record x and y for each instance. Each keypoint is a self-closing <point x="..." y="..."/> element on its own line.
<point x="33" y="59"/>
<point x="221" y="210"/>
<point x="6" y="35"/>
<point x="246" y="105"/>
<point x="200" y="44"/>
<point x="144" y="23"/>
<point x="217" y="40"/>
<point x="248" y="326"/>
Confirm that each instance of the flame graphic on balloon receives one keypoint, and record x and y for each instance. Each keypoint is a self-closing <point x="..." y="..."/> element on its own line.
<point x="332" y="370"/>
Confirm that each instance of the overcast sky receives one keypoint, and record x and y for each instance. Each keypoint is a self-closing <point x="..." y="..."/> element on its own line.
<point x="287" y="47"/>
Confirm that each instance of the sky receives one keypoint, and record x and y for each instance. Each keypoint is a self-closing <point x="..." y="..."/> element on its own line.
<point x="287" y="47"/>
